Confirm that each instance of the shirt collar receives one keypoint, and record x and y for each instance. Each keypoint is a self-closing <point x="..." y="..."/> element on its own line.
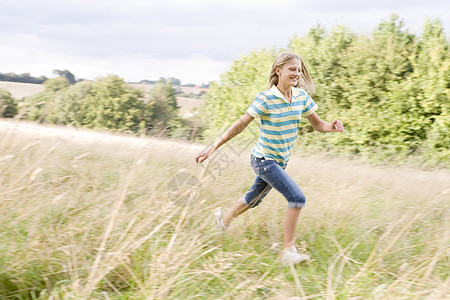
<point x="276" y="92"/>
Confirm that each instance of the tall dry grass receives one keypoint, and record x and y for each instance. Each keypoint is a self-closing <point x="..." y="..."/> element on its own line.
<point x="88" y="215"/>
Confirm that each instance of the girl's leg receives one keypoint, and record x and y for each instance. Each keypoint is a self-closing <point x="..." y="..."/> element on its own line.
<point x="290" y="226"/>
<point x="252" y="198"/>
<point x="275" y="176"/>
<point x="238" y="208"/>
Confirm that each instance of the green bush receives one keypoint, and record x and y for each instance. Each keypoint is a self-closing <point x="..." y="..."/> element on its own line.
<point x="106" y="103"/>
<point x="112" y="104"/>
<point x="37" y="107"/>
<point x="68" y="106"/>
<point x="42" y="106"/>
<point x="8" y="105"/>
<point x="56" y="84"/>
<point x="164" y="106"/>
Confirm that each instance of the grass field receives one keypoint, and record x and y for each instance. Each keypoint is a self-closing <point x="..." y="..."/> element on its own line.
<point x="188" y="104"/>
<point x="87" y="215"/>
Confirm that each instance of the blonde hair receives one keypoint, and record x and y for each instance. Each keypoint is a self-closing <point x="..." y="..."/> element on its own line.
<point x="305" y="81"/>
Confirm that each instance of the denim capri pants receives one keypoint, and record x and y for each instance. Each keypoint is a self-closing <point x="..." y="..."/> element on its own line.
<point x="270" y="174"/>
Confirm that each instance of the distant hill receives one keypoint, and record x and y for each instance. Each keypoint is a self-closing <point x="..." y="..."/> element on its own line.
<point x="23" y="78"/>
<point x="21" y="90"/>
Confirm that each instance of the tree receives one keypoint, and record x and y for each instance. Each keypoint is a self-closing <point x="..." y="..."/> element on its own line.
<point x="56" y="84"/>
<point x="69" y="103"/>
<point x="174" y="81"/>
<point x="113" y="104"/>
<point x="372" y="68"/>
<point x="164" y="105"/>
<point x="432" y="85"/>
<point x="323" y="54"/>
<point x="66" y="74"/>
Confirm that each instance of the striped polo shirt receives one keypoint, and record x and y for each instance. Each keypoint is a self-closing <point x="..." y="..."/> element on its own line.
<point x="280" y="122"/>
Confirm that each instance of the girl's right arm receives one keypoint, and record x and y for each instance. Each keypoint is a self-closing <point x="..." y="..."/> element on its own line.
<point x="233" y="131"/>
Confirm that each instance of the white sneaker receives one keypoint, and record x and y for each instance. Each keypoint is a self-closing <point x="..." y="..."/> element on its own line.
<point x="291" y="256"/>
<point x="218" y="218"/>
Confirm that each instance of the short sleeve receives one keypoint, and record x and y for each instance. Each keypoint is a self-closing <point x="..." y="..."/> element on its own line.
<point x="310" y="106"/>
<point x="258" y="107"/>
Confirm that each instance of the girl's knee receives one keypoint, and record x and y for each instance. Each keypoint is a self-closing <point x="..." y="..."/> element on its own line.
<point x="297" y="200"/>
<point x="252" y="203"/>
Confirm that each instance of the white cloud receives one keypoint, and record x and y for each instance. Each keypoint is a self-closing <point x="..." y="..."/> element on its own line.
<point x="195" y="69"/>
<point x="192" y="40"/>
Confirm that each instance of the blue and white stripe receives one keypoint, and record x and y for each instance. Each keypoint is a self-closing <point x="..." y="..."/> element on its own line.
<point x="280" y="122"/>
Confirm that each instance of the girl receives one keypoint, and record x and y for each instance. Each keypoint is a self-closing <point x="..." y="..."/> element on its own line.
<point x="279" y="110"/>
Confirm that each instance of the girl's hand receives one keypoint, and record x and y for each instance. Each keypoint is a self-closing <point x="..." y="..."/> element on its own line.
<point x="202" y="156"/>
<point x="337" y="126"/>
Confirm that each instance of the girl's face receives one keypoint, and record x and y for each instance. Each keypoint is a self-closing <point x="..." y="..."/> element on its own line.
<point x="289" y="74"/>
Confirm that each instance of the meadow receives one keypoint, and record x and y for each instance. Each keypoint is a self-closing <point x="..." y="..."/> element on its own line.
<point x="89" y="215"/>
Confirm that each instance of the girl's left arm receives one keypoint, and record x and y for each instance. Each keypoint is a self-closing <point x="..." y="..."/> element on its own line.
<point x="322" y="126"/>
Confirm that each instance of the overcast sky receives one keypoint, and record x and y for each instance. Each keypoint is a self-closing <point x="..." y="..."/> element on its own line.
<point x="193" y="40"/>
